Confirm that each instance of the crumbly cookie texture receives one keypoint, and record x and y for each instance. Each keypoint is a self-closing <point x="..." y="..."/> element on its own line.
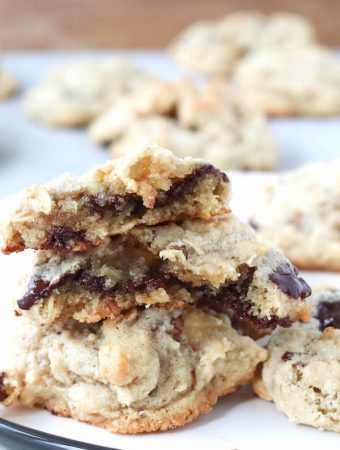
<point x="214" y="47"/>
<point x="302" y="374"/>
<point x="73" y="95"/>
<point x="7" y="84"/>
<point x="303" y="81"/>
<point x="219" y="264"/>
<point x="206" y="121"/>
<point x="299" y="212"/>
<point x="178" y="366"/>
<point x="76" y="213"/>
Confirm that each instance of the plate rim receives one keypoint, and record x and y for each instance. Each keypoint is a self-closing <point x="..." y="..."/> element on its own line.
<point x="21" y="432"/>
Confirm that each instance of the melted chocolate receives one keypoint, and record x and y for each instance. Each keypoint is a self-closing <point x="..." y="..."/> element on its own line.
<point x="97" y="284"/>
<point x="285" y="276"/>
<point x="186" y="185"/>
<point x="328" y="315"/>
<point x="233" y="297"/>
<point x="64" y="238"/>
<point x="37" y="290"/>
<point x="3" y="393"/>
<point x="97" y="204"/>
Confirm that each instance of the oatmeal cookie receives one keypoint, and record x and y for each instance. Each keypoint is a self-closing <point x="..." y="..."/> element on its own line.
<point x="73" y="95"/>
<point x="149" y="370"/>
<point x="302" y="374"/>
<point x="214" y="47"/>
<point x="303" y="82"/>
<point x="299" y="212"/>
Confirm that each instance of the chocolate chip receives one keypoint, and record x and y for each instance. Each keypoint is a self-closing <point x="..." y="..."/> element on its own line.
<point x="64" y="238"/>
<point x="285" y="276"/>
<point x="287" y="356"/>
<point x="317" y="390"/>
<point x="3" y="393"/>
<point x="253" y="224"/>
<point x="328" y="315"/>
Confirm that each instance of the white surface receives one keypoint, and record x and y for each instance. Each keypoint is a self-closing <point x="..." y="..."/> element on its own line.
<point x="31" y="153"/>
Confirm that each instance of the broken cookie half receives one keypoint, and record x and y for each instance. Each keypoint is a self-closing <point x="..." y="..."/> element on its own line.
<point x="76" y="213"/>
<point x="219" y="264"/>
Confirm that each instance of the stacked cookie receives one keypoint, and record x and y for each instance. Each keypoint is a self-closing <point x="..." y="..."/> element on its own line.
<point x="126" y="312"/>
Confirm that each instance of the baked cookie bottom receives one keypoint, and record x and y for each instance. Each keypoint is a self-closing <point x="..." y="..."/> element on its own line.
<point x="150" y="370"/>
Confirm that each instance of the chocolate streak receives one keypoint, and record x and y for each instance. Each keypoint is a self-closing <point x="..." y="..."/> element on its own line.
<point x="63" y="237"/>
<point x="328" y="315"/>
<point x="40" y="289"/>
<point x="232" y="297"/>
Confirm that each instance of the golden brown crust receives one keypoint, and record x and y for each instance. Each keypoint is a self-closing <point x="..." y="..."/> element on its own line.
<point x="164" y="422"/>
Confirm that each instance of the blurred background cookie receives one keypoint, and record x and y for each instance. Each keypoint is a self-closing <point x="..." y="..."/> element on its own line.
<point x="207" y="121"/>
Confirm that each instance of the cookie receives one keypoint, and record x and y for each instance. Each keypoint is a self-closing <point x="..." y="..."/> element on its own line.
<point x="215" y="47"/>
<point x="299" y="213"/>
<point x="220" y="264"/>
<point x="206" y="121"/>
<point x="76" y="213"/>
<point x="73" y="95"/>
<point x="302" y="374"/>
<point x="7" y="84"/>
<point x="178" y="366"/>
<point x="304" y="81"/>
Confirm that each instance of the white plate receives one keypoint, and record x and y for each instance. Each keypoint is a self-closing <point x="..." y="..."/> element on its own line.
<point x="31" y="153"/>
